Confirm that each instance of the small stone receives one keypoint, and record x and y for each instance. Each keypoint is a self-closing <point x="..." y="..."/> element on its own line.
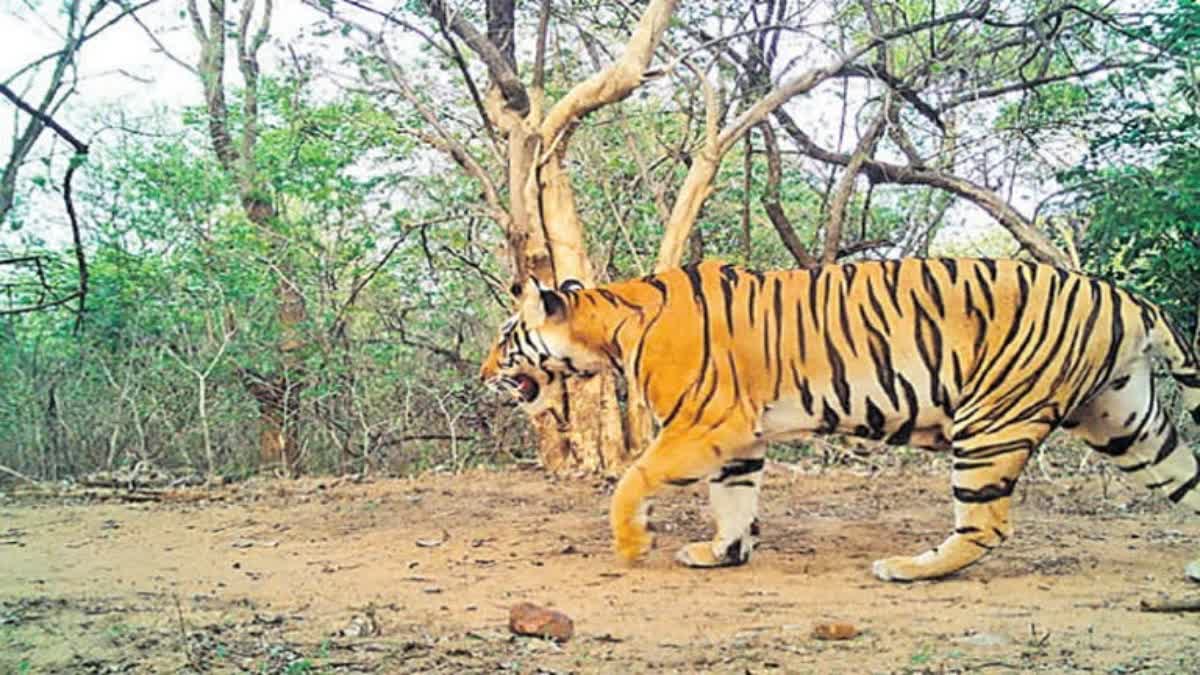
<point x="527" y="618"/>
<point x="835" y="631"/>
<point x="1193" y="570"/>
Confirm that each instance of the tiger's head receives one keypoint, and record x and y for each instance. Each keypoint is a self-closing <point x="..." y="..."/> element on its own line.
<point x="540" y="346"/>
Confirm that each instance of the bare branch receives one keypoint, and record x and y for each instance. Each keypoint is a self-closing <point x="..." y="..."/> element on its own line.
<point x="806" y="81"/>
<point x="457" y="56"/>
<point x="845" y="186"/>
<point x="389" y="17"/>
<point x="81" y="151"/>
<point x="212" y="77"/>
<point x="770" y="200"/>
<point x="17" y="474"/>
<point x="80" y="146"/>
<point x="444" y="140"/>
<point x="77" y="239"/>
<point x="899" y="136"/>
<point x="883" y="172"/>
<point x="501" y="24"/>
<point x="539" y="54"/>
<point x="502" y="71"/>
<point x="73" y="46"/>
<point x="158" y="43"/>
<point x="618" y="80"/>
<point x="247" y="48"/>
<point x="860" y="246"/>
<point x="1025" y="85"/>
<point x="197" y="22"/>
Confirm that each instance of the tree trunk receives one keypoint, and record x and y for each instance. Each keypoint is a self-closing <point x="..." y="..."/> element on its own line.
<point x="292" y="314"/>
<point x="279" y="399"/>
<point x="545" y="237"/>
<point x="592" y="438"/>
<point x="587" y="435"/>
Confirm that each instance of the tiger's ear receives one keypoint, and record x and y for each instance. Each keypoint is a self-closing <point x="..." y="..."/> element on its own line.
<point x="539" y="305"/>
<point x="570" y="286"/>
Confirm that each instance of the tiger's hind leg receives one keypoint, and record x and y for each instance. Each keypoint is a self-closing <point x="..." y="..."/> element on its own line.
<point x="986" y="468"/>
<point x="1127" y="424"/>
<point x="733" y="493"/>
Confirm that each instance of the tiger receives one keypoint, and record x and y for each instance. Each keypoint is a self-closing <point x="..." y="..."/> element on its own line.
<point x="978" y="357"/>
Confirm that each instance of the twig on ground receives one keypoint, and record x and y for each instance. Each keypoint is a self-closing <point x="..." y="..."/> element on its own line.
<point x="187" y="647"/>
<point x="1188" y="604"/>
<point x="17" y="474"/>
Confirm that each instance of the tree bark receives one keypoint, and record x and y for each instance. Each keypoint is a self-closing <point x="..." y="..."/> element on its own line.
<point x="607" y="441"/>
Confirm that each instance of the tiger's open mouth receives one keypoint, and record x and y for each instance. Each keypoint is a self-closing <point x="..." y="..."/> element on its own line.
<point x="525" y="386"/>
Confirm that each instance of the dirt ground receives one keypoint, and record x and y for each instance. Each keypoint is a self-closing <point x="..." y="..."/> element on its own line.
<point x="418" y="575"/>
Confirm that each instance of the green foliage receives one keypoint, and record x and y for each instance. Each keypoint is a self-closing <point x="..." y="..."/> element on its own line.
<point x="1139" y="186"/>
<point x="1145" y="231"/>
<point x="183" y="284"/>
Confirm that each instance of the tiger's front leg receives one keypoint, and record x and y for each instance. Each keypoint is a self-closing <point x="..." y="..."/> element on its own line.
<point x="674" y="458"/>
<point x="733" y="493"/>
<point x="986" y="468"/>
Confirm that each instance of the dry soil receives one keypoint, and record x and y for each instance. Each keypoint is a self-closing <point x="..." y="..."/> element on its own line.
<point x="417" y="575"/>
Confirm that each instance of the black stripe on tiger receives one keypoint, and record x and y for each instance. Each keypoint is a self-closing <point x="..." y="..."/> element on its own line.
<point x="1179" y="493"/>
<point x="738" y="467"/>
<point x="987" y="493"/>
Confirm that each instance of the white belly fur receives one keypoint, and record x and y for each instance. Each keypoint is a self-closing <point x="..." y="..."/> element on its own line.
<point x="786" y="420"/>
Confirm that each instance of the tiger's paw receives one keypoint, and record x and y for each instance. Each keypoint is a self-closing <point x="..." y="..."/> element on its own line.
<point x="632" y="543"/>
<point x="934" y="564"/>
<point x="903" y="568"/>
<point x="703" y="554"/>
